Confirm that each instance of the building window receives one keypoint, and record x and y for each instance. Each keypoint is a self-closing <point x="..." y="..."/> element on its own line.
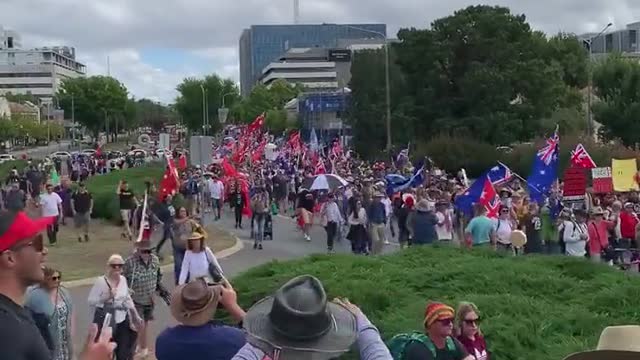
<point x="26" y="75"/>
<point x="633" y="40"/>
<point x="608" y="40"/>
<point x="25" y="86"/>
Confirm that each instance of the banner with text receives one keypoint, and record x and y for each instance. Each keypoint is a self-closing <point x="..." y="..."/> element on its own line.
<point x="602" y="181"/>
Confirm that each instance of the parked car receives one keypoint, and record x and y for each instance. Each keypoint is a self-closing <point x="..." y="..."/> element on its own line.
<point x="60" y="154"/>
<point x="90" y="152"/>
<point x="6" y="157"/>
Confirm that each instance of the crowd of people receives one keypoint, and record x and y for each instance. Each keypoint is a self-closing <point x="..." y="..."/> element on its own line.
<point x="297" y="321"/>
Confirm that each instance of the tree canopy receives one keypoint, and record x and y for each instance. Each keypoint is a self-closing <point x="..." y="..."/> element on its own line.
<point x="100" y="103"/>
<point x="189" y="104"/>
<point x="481" y="72"/>
<point x="616" y="83"/>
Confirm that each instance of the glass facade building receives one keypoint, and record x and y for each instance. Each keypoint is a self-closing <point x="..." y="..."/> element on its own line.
<point x="262" y="44"/>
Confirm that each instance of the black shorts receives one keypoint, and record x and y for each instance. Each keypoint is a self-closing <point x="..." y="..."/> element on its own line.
<point x="145" y="311"/>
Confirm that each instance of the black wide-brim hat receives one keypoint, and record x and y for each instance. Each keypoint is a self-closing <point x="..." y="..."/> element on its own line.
<point x="336" y="341"/>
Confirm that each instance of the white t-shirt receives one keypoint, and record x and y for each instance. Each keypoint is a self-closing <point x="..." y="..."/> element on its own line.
<point x="216" y="189"/>
<point x="503" y="231"/>
<point x="388" y="209"/>
<point x="49" y="203"/>
<point x="443" y="232"/>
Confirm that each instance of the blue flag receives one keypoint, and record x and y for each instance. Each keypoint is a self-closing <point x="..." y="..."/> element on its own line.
<point x="499" y="174"/>
<point x="545" y="169"/>
<point x="465" y="202"/>
<point x="397" y="183"/>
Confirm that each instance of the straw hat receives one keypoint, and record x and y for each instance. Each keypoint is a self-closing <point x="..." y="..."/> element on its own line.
<point x="616" y="343"/>
<point x="518" y="238"/>
<point x="597" y="211"/>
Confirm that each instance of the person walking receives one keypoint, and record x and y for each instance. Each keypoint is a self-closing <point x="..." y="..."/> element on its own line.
<point x="237" y="202"/>
<point x="51" y="206"/>
<point x="51" y="303"/>
<point x="144" y="276"/>
<point x="128" y="203"/>
<point x="357" y="229"/>
<point x="260" y="208"/>
<point x="216" y="192"/>
<point x="110" y="294"/>
<point x="199" y="261"/>
<point x="332" y="217"/>
<point x="422" y="224"/>
<point x="377" y="216"/>
<point x="165" y="212"/>
<point x="82" y="207"/>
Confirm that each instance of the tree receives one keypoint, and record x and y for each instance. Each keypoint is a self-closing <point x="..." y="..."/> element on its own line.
<point x="269" y="100"/>
<point x="100" y="102"/>
<point x="616" y="83"/>
<point x="152" y="114"/>
<point x="189" y="103"/>
<point x="367" y="113"/>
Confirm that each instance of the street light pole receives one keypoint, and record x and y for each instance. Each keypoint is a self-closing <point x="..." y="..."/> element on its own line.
<point x="73" y="119"/>
<point x="590" y="79"/>
<point x="387" y="76"/>
<point x="204" y="109"/>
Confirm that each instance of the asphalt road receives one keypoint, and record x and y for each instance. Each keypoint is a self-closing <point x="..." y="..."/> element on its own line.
<point x="42" y="151"/>
<point x="287" y="244"/>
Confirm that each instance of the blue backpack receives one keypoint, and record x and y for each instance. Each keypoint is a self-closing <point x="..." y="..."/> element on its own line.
<point x="398" y="344"/>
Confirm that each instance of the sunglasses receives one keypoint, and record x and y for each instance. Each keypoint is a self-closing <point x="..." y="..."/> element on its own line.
<point x="37" y="244"/>
<point x="446" y="322"/>
<point x="56" y="278"/>
<point x="116" y="266"/>
<point x="475" y="321"/>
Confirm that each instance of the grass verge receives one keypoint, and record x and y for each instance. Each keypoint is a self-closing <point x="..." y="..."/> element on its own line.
<point x="82" y="260"/>
<point x="534" y="308"/>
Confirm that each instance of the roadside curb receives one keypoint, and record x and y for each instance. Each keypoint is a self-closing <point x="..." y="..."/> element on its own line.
<point x="239" y="245"/>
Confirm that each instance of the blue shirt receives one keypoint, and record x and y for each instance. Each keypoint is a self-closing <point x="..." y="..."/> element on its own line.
<point x="377" y="213"/>
<point x="212" y="341"/>
<point x="480" y="228"/>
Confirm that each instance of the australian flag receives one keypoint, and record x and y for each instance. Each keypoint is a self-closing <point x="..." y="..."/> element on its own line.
<point x="545" y="169"/>
<point x="500" y="174"/>
<point x="480" y="192"/>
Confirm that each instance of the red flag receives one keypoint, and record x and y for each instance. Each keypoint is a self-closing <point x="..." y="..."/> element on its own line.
<point x="257" y="124"/>
<point x="182" y="162"/>
<point x="259" y="151"/>
<point x="320" y="168"/>
<point x="229" y="170"/>
<point x="489" y="198"/>
<point x="580" y="158"/>
<point x="170" y="182"/>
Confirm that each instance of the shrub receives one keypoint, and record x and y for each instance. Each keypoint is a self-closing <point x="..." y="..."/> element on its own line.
<point x="452" y="153"/>
<point x="533" y="307"/>
<point x="103" y="188"/>
<point x="6" y="167"/>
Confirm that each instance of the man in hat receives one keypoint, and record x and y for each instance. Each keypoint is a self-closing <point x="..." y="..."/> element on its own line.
<point x="198" y="336"/>
<point x="438" y="342"/>
<point x="377" y="215"/>
<point x="298" y="322"/>
<point x="331" y="213"/>
<point x="615" y="343"/>
<point x="144" y="276"/>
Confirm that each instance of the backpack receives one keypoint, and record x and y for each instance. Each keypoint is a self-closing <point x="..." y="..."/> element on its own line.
<point x="398" y="344"/>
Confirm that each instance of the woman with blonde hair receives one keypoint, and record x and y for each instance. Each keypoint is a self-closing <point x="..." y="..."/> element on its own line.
<point x="466" y="328"/>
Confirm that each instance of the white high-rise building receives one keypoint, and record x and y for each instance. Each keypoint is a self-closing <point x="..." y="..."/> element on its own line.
<point x="37" y="71"/>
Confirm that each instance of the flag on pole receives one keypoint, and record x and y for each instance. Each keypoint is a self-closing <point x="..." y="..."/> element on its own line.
<point x="545" y="169"/>
<point x="170" y="182"/>
<point x="580" y="158"/>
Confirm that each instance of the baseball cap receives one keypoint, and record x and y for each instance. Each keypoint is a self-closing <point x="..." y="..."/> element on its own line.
<point x="17" y="226"/>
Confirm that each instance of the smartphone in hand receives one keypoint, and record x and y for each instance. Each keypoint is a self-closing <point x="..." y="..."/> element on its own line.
<point x="105" y="323"/>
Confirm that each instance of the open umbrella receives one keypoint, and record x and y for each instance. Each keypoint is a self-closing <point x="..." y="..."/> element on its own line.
<point x="324" y="182"/>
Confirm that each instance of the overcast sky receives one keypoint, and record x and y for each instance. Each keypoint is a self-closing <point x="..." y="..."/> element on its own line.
<point x="154" y="44"/>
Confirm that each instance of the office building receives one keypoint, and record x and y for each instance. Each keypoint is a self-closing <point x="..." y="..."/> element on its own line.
<point x="263" y="44"/>
<point x="37" y="71"/>
<point x="623" y="41"/>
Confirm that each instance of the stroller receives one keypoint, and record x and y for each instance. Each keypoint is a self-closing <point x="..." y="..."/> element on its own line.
<point x="268" y="227"/>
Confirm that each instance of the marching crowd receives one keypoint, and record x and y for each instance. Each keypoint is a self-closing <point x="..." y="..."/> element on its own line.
<point x="298" y="321"/>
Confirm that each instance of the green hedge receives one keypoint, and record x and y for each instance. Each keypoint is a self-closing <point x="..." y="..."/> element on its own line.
<point x="453" y="153"/>
<point x="6" y="167"/>
<point x="103" y="188"/>
<point x="535" y="308"/>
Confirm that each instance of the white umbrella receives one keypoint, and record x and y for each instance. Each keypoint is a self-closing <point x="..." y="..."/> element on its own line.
<point x="324" y="182"/>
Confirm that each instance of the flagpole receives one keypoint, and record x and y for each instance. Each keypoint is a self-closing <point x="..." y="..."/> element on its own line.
<point x="519" y="177"/>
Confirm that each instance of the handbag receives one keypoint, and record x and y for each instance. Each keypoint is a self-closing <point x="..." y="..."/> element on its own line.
<point x="214" y="272"/>
<point x="107" y="308"/>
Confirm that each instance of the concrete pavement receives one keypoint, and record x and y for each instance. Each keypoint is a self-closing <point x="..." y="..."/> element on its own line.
<point x="287" y="244"/>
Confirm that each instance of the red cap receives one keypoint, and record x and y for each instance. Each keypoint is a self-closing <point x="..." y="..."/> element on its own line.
<point x="17" y="226"/>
